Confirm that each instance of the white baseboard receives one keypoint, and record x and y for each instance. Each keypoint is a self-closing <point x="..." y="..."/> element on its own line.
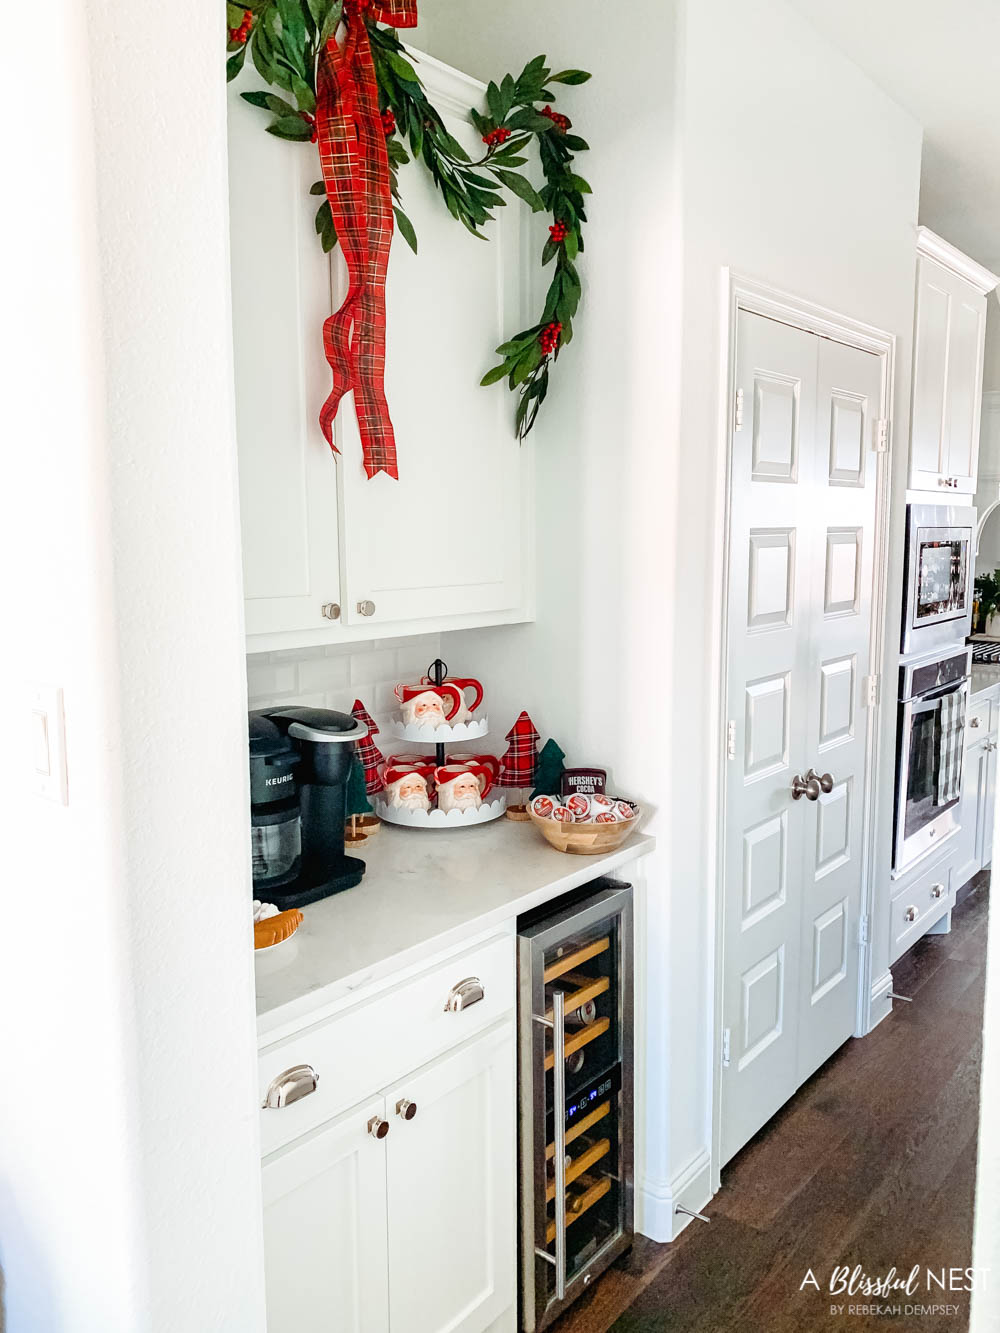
<point x="656" y="1201"/>
<point x="881" y="1005"/>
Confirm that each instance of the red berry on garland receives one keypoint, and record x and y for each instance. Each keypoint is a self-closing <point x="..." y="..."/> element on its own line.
<point x="562" y="123"/>
<point x="558" y="232"/>
<point x="548" y="339"/>
<point x="388" y="121"/>
<point x="241" y="33"/>
<point x="311" y="122"/>
<point x="497" y="136"/>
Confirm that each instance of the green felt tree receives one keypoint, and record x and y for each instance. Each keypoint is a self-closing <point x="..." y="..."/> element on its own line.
<point x="356" y="799"/>
<point x="550" y="770"/>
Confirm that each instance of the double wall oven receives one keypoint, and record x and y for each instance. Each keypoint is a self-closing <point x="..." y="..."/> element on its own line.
<point x="933" y="678"/>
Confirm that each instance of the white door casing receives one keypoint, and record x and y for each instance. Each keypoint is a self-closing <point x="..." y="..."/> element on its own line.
<point x="802" y="555"/>
<point x="325" y="1235"/>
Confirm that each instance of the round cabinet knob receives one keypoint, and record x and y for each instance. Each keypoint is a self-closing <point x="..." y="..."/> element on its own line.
<point x="973" y="721"/>
<point x="910" y="914"/>
<point x="366" y="608"/>
<point x="377" y="1127"/>
<point x="330" y="610"/>
<point x="937" y="890"/>
<point x="807" y="787"/>
<point x="406" y="1110"/>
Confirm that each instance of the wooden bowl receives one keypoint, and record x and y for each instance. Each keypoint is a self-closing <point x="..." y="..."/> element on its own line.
<point x="584" y="839"/>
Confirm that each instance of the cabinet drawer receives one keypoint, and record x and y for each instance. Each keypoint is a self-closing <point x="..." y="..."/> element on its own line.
<point x="379" y="1040"/>
<point x="978" y="721"/>
<point x="918" y="906"/>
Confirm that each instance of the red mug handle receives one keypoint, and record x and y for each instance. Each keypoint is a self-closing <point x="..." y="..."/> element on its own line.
<point x="450" y="690"/>
<point x="463" y="682"/>
<point x="486" y="779"/>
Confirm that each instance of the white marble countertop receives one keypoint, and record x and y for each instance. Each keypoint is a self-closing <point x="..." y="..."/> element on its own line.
<point x="422" y="893"/>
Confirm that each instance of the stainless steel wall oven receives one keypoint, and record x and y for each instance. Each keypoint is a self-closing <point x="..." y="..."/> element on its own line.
<point x="940" y="574"/>
<point x="575" y="1096"/>
<point x="933" y="695"/>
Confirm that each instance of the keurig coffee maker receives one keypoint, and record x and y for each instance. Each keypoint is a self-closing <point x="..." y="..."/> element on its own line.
<point x="299" y="762"/>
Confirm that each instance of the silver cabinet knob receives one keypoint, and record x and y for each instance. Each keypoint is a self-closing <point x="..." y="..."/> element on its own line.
<point x="910" y="914"/>
<point x="466" y="992"/>
<point x="807" y="787"/>
<point x="290" y="1086"/>
<point x="406" y="1110"/>
<point x="973" y="721"/>
<point x="825" y="780"/>
<point x="377" y="1127"/>
<point x="937" y="890"/>
<point x="366" y="608"/>
<point x="330" y="610"/>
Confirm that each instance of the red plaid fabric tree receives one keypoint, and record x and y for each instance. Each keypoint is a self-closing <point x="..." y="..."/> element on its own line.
<point x="367" y="751"/>
<point x="520" y="762"/>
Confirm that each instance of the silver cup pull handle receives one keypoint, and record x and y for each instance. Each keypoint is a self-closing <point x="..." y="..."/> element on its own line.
<point x="465" y="992"/>
<point x="290" y="1086"/>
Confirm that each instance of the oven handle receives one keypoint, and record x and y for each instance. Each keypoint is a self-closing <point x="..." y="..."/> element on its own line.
<point x="933" y="695"/>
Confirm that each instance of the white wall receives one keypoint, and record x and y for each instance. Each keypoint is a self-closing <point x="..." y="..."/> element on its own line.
<point x="129" y="1180"/>
<point x="768" y="152"/>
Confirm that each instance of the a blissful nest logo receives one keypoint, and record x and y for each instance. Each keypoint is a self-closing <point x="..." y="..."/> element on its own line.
<point x="895" y="1293"/>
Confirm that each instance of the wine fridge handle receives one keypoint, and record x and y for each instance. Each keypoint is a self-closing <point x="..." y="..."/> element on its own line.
<point x="559" y="1117"/>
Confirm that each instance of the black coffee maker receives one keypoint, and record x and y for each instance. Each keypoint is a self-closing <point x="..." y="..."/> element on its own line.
<point x="299" y="763"/>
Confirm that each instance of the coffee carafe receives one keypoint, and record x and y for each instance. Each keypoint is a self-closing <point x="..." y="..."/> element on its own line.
<point x="300" y="759"/>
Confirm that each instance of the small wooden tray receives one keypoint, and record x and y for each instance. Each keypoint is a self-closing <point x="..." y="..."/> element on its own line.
<point x="584" y="839"/>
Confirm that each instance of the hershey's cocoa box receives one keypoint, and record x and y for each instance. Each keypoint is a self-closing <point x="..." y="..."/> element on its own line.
<point x="585" y="781"/>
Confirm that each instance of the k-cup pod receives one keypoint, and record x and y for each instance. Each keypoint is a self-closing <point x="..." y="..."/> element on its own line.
<point x="562" y="814"/>
<point x="623" y="810"/>
<point x="580" y="805"/>
<point x="599" y="802"/>
<point x="542" y="806"/>
<point x="606" y="817"/>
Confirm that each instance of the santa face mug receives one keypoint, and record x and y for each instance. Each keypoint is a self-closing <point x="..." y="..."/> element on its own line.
<point x="462" y="786"/>
<point x="407" y="791"/>
<point x="428" y="705"/>
<point x="465" y="710"/>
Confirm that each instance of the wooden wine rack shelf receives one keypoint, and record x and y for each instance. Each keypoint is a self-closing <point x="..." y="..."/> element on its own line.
<point x="571" y="960"/>
<point x="586" y="1123"/>
<point x="580" y="1164"/>
<point x="588" y="989"/>
<point x="580" y="1204"/>
<point x="582" y="1038"/>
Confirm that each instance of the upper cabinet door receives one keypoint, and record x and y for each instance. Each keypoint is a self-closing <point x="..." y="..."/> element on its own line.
<point x="949" y="339"/>
<point x="325" y="1242"/>
<point x="450" y="537"/>
<point x="452" y="1173"/>
<point x="281" y="295"/>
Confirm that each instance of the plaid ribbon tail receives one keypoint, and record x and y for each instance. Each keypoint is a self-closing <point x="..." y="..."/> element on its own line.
<point x="356" y="175"/>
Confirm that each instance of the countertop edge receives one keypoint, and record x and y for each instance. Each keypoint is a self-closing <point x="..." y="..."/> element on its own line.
<point x="279" y="1022"/>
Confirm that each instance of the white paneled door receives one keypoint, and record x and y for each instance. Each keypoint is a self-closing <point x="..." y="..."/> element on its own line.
<point x="801" y="567"/>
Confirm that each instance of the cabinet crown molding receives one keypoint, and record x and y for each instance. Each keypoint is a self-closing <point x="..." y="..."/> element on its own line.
<point x="932" y="246"/>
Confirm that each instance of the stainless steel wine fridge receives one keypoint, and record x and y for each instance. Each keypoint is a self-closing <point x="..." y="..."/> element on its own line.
<point x="575" y="1096"/>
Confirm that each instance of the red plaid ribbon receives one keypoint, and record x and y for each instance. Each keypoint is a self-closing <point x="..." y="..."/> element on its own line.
<point x="519" y="765"/>
<point x="367" y="751"/>
<point x="355" y="166"/>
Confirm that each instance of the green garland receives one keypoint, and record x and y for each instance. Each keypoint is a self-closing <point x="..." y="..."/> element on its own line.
<point x="285" y="38"/>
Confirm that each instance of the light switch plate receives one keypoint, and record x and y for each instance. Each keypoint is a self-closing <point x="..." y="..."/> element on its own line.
<point x="46" y="757"/>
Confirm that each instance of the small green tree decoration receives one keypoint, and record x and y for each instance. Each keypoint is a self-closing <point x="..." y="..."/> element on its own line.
<point x="356" y="800"/>
<point x="550" y="770"/>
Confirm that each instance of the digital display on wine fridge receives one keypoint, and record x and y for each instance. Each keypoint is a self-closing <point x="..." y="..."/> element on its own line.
<point x="575" y="1095"/>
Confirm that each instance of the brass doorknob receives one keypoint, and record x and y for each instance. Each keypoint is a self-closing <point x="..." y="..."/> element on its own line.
<point x="807" y="787"/>
<point x="825" y="780"/>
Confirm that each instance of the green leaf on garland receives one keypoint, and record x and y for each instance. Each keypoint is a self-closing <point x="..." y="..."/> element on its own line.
<point x="495" y="102"/>
<point x="529" y="120"/>
<point x="519" y="343"/>
<point x="572" y="245"/>
<point x="293" y="29"/>
<point x="452" y="146"/>
<point x="318" y="187"/>
<point x="575" y="144"/>
<point x="569" y="76"/>
<point x="324" y="217"/>
<point x="303" y="94"/>
<point x="270" y="102"/>
<point x="329" y="27"/>
<point x="578" y="183"/>
<point x="527" y="363"/>
<point x="521" y="187"/>
<point x="290" y="127"/>
<point x="234" y="15"/>
<point x="235" y="63"/>
<point x="549" y="252"/>
<point x="406" y="229"/>
<point x="402" y="67"/>
<point x="493" y="376"/>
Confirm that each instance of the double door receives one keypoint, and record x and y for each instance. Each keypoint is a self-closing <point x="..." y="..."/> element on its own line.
<point x="398" y="1215"/>
<point x="801" y="566"/>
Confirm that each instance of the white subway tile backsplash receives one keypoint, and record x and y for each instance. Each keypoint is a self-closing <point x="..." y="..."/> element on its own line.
<point x="333" y="677"/>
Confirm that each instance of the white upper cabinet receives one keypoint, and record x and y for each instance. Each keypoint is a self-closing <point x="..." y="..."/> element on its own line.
<point x="949" y="336"/>
<point x="330" y="556"/>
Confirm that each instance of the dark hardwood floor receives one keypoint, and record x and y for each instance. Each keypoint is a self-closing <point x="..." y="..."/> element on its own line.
<point x="872" y="1162"/>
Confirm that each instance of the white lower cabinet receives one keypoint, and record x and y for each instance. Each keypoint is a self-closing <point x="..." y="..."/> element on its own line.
<point x="413" y="1232"/>
<point x="979" y="776"/>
